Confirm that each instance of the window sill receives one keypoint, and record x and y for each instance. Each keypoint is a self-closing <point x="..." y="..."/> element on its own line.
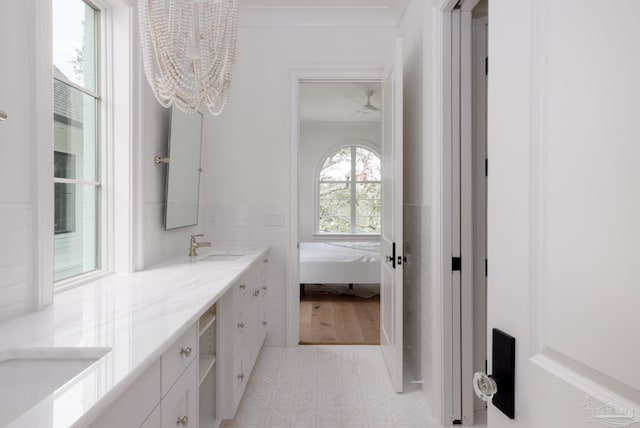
<point x="76" y="281"/>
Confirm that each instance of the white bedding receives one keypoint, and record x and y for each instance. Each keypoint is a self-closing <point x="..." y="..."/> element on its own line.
<point x="340" y="252"/>
<point x="340" y="262"/>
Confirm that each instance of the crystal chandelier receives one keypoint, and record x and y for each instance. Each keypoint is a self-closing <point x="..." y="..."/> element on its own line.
<point x="188" y="50"/>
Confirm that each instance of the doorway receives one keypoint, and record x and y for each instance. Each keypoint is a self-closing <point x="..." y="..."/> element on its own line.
<point x="339" y="206"/>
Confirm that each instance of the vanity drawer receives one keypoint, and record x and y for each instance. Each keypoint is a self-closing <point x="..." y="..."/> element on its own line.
<point x="176" y="359"/>
<point x="180" y="406"/>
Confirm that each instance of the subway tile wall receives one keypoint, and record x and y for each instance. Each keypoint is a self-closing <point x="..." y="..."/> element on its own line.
<point x="251" y="226"/>
<point x="418" y="321"/>
<point x="15" y="260"/>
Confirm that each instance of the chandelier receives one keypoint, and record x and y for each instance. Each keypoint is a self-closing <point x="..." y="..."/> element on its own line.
<point x="188" y="51"/>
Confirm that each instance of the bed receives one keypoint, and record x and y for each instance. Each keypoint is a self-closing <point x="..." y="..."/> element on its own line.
<point x="340" y="262"/>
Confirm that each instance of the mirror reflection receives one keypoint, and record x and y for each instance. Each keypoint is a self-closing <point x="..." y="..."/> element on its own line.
<point x="183" y="173"/>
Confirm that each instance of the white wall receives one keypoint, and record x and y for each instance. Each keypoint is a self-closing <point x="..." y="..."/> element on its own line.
<point x="247" y="147"/>
<point x="422" y="325"/>
<point x="317" y="140"/>
<point x="17" y="144"/>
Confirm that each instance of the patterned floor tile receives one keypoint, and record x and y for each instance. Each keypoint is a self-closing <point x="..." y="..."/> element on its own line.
<point x="327" y="387"/>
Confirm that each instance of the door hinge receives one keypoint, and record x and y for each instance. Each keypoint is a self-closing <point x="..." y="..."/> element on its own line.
<point x="486" y="167"/>
<point x="486" y="65"/>
<point x="486" y="268"/>
<point x="456" y="264"/>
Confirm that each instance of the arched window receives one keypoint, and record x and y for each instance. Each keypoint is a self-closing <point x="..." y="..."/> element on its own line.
<point x="349" y="192"/>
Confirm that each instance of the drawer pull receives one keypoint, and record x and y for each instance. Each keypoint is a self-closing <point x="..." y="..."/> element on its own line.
<point x="264" y="288"/>
<point x="256" y="293"/>
<point x="186" y="352"/>
<point x="184" y="421"/>
<point x="240" y="376"/>
<point x="264" y="323"/>
<point x="243" y="286"/>
<point x="265" y="260"/>
<point x="241" y="325"/>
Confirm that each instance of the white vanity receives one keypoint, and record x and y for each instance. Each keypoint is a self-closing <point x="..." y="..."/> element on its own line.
<point x="170" y="346"/>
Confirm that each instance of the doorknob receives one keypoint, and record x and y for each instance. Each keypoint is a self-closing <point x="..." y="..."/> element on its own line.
<point x="499" y="388"/>
<point x="484" y="386"/>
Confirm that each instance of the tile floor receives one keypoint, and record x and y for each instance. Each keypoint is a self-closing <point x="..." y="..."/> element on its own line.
<point x="327" y="386"/>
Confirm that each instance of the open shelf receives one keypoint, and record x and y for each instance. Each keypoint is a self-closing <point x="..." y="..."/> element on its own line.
<point x="206" y="320"/>
<point x="207" y="361"/>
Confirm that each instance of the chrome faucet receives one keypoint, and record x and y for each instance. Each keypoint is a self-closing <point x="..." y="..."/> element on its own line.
<point x="194" y="244"/>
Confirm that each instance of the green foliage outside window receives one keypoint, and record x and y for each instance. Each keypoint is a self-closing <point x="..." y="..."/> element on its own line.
<point x="350" y="193"/>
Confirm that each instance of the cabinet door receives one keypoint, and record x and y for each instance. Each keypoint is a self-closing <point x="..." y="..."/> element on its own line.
<point x="262" y="310"/>
<point x="135" y="404"/>
<point x="179" y="406"/>
<point x="153" y="421"/>
<point x="178" y="357"/>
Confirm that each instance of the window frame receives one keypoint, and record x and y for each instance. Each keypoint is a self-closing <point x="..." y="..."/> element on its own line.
<point x="353" y="189"/>
<point x="101" y="265"/>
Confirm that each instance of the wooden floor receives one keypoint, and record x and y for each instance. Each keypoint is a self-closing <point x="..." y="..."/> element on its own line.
<point x="327" y="318"/>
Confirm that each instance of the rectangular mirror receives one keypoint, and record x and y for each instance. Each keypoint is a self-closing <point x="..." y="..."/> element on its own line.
<point x="183" y="170"/>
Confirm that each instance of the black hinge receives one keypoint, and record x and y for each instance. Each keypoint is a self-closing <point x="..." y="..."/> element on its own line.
<point x="456" y="264"/>
<point x="486" y="167"/>
<point x="486" y="268"/>
<point x="486" y="65"/>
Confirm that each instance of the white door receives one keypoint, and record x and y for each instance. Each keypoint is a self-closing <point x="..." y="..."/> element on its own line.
<point x="391" y="240"/>
<point x="564" y="208"/>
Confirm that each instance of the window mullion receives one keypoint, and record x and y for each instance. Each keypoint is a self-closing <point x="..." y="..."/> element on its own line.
<point x="353" y="189"/>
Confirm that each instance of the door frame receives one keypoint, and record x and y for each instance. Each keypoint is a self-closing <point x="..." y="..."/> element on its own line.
<point x="298" y="75"/>
<point x="453" y="123"/>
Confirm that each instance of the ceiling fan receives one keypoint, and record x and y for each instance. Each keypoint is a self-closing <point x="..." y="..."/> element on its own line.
<point x="368" y="107"/>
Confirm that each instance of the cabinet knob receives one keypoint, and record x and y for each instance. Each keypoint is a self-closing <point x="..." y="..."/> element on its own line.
<point x="256" y="293"/>
<point x="240" y="376"/>
<point x="241" y="324"/>
<point x="264" y="323"/>
<point x="185" y="352"/>
<point x="265" y="260"/>
<point x="243" y="286"/>
<point x="183" y="421"/>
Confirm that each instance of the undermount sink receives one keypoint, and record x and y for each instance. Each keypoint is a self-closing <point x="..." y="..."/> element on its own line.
<point x="28" y="375"/>
<point x="222" y="256"/>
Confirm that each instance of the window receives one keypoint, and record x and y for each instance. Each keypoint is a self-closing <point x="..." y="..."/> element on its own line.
<point x="349" y="192"/>
<point x="77" y="145"/>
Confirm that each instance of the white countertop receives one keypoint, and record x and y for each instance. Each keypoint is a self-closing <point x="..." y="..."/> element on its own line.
<point x="138" y="316"/>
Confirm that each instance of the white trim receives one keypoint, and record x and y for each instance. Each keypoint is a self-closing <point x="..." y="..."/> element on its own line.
<point x="479" y="197"/>
<point x="299" y="74"/>
<point x="43" y="210"/>
<point x="456" y="282"/>
<point x="466" y="219"/>
<point x="441" y="395"/>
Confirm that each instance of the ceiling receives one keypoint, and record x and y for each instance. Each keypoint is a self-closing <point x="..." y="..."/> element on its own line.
<point x="338" y="102"/>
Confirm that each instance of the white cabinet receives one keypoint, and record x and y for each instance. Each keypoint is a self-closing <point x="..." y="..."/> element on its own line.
<point x="165" y="395"/>
<point x="178" y="357"/>
<point x="179" y="407"/>
<point x="134" y="405"/>
<point x="242" y="328"/>
<point x="199" y="380"/>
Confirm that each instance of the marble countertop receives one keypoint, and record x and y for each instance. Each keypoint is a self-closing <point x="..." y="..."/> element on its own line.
<point x="137" y="315"/>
